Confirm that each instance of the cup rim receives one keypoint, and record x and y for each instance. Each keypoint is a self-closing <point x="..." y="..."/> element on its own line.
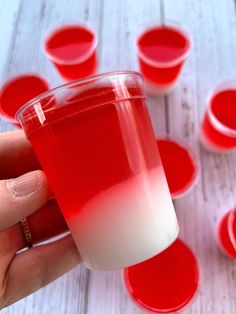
<point x="77" y="83"/>
<point x="67" y="24"/>
<point x="11" y="80"/>
<point x="170" y="25"/>
<point x="221" y="127"/>
<point x="232" y="235"/>
<point x="188" y="187"/>
<point x="182" y="306"/>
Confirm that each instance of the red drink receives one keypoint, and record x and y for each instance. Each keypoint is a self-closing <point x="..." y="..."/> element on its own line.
<point x="165" y="283"/>
<point x="226" y="233"/>
<point x="72" y="49"/>
<point x="218" y="131"/>
<point x="97" y="148"/>
<point x="180" y="166"/>
<point x="162" y="51"/>
<point x="17" y="91"/>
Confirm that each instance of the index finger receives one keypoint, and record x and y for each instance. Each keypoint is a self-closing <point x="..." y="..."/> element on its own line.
<point x="16" y="155"/>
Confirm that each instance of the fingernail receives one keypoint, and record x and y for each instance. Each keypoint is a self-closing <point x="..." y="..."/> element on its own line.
<point x="24" y="185"/>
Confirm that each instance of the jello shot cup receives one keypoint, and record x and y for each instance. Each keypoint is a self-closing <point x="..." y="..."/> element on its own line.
<point x="166" y="283"/>
<point x="97" y="147"/>
<point x="226" y="233"/>
<point x="218" y="128"/>
<point x="17" y="91"/>
<point x="162" y="51"/>
<point x="72" y="50"/>
<point x="180" y="165"/>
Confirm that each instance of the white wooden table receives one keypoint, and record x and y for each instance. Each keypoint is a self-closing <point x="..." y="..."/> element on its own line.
<point x="213" y="27"/>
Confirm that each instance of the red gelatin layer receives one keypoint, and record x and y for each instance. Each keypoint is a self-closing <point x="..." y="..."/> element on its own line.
<point x="223" y="109"/>
<point x="179" y="166"/>
<point x="18" y="91"/>
<point x="226" y="232"/>
<point x="161" y="53"/>
<point x="165" y="283"/>
<point x="72" y="50"/>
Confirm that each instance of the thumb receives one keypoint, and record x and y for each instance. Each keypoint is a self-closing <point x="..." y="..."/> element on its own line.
<point x="20" y="197"/>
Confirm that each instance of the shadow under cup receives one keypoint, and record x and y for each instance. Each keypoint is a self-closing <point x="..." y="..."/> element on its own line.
<point x="95" y="142"/>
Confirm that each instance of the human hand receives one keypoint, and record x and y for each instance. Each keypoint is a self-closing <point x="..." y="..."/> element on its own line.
<point x="22" y="273"/>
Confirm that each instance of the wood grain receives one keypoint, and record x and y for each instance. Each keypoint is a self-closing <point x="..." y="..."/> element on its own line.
<point x="212" y="25"/>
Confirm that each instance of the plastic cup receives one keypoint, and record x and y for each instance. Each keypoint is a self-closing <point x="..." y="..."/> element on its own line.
<point x="162" y="51"/>
<point x="226" y="233"/>
<point x="97" y="147"/>
<point x="72" y="50"/>
<point x="180" y="165"/>
<point x="166" y="283"/>
<point x="218" y="128"/>
<point x="17" y="91"/>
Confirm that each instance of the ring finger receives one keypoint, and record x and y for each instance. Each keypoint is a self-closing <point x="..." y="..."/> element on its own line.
<point x="44" y="224"/>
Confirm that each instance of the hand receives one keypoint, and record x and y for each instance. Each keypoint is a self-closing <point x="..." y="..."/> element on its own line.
<point x="22" y="273"/>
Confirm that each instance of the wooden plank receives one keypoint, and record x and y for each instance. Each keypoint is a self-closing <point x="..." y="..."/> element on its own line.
<point x="124" y="21"/>
<point x="69" y="293"/>
<point x="121" y="25"/>
<point x="9" y="20"/>
<point x="212" y="25"/>
<point x="9" y="17"/>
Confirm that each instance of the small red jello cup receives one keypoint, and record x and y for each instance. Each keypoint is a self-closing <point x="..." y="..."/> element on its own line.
<point x="180" y="165"/>
<point x="166" y="283"/>
<point x="226" y="233"/>
<point x="17" y="91"/>
<point x="218" y="128"/>
<point x="72" y="49"/>
<point x="162" y="50"/>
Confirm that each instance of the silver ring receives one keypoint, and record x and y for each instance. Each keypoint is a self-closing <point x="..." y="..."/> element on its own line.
<point x="26" y="232"/>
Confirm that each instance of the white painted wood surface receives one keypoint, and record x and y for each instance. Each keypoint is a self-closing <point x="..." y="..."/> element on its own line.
<point x="213" y="27"/>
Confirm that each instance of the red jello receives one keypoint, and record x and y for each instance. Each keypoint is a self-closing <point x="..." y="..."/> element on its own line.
<point x="226" y="233"/>
<point x="72" y="49"/>
<point x="180" y="166"/>
<point x="162" y="51"/>
<point x="165" y="283"/>
<point x="17" y="91"/>
<point x="218" y="130"/>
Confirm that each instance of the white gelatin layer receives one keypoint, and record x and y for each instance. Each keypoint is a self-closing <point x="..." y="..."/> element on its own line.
<point x="127" y="223"/>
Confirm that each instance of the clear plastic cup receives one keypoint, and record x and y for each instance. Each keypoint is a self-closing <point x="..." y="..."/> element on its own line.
<point x="95" y="142"/>
<point x="162" y="51"/>
<point x="218" y="128"/>
<point x="17" y="91"/>
<point x="180" y="165"/>
<point x="226" y="233"/>
<point x="72" y="49"/>
<point x="166" y="283"/>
